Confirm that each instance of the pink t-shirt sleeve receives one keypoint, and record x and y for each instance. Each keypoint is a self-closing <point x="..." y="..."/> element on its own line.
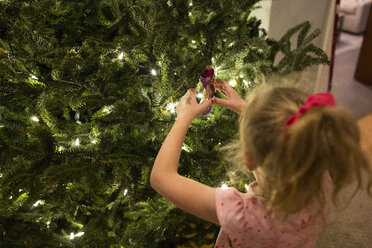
<point x="229" y="206"/>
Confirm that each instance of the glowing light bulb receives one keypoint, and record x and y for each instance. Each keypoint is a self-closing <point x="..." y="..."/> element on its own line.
<point x="224" y="186"/>
<point x="193" y="42"/>
<point x="34" y="77"/>
<point x="232" y="83"/>
<point x="94" y="141"/>
<point x="72" y="235"/>
<point x="190" y="4"/>
<point x="245" y="82"/>
<point x="171" y="107"/>
<point x="125" y="192"/>
<point x="153" y="72"/>
<point x="184" y="147"/>
<point x="246" y="187"/>
<point x="212" y="60"/>
<point x="35" y="119"/>
<point x="79" y="234"/>
<point x="77" y="142"/>
<point x="121" y="56"/>
<point x="241" y="76"/>
<point x="37" y="203"/>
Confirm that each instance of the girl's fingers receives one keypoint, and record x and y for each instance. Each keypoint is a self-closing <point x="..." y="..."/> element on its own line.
<point x="222" y="102"/>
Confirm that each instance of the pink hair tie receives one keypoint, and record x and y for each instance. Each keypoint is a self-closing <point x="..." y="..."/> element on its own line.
<point x="316" y="100"/>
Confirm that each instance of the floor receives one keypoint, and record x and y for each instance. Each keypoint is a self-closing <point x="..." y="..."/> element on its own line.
<point x="351" y="227"/>
<point x="348" y="92"/>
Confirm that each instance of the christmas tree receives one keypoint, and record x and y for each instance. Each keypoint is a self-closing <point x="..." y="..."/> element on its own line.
<point x="88" y="91"/>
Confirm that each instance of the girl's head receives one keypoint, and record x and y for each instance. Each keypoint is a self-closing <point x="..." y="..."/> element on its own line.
<point x="291" y="160"/>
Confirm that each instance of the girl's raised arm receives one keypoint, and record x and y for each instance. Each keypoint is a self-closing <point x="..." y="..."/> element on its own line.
<point x="189" y="195"/>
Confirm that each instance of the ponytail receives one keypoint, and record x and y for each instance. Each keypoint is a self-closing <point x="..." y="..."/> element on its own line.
<point x="325" y="139"/>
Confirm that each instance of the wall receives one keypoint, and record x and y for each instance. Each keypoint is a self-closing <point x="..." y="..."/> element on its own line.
<point x="280" y="15"/>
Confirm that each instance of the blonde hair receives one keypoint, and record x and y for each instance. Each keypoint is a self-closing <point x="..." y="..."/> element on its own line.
<point x="295" y="158"/>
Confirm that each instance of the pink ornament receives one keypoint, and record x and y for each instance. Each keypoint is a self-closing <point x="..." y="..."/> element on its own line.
<point x="207" y="78"/>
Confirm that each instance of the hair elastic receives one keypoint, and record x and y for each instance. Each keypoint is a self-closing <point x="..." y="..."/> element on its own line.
<point x="316" y="100"/>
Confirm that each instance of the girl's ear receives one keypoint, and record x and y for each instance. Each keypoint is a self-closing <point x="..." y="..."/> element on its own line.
<point x="249" y="162"/>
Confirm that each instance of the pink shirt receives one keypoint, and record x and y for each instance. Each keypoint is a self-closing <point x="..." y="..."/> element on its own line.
<point x="244" y="222"/>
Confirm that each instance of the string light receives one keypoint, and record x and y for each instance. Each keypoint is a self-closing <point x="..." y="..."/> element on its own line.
<point x="232" y="83"/>
<point x="37" y="203"/>
<point x="231" y="44"/>
<point x="193" y="42"/>
<point x="224" y="186"/>
<point x="185" y="148"/>
<point x="79" y="234"/>
<point x="35" y="119"/>
<point x="212" y="60"/>
<point x="107" y="109"/>
<point x="60" y="148"/>
<point x="216" y="71"/>
<point x="34" y="77"/>
<point x="77" y="142"/>
<point x="190" y="4"/>
<point x="125" y="192"/>
<point x="73" y="235"/>
<point x="245" y="82"/>
<point x="241" y="76"/>
<point x="94" y="141"/>
<point x="153" y="72"/>
<point x="171" y="107"/>
<point x="121" y="56"/>
<point x="246" y="187"/>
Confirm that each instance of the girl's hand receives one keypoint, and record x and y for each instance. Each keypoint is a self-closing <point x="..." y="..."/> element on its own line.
<point x="234" y="101"/>
<point x="189" y="108"/>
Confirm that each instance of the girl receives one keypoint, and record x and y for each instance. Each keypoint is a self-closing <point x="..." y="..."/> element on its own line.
<point x="294" y="144"/>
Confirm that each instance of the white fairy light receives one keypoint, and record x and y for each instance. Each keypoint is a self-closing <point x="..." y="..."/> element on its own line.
<point x="224" y="186"/>
<point x="185" y="148"/>
<point x="212" y="60"/>
<point x="171" y="107"/>
<point x="193" y="42"/>
<point x="121" y="56"/>
<point x="241" y="76"/>
<point x="37" y="203"/>
<point x="94" y="141"/>
<point x="231" y="44"/>
<point x="35" y="119"/>
<point x="79" y="234"/>
<point x="77" y="142"/>
<point x="125" y="192"/>
<point x="72" y="235"/>
<point x="216" y="71"/>
<point x="153" y="72"/>
<point x="107" y="109"/>
<point x="20" y="190"/>
<point x="232" y="83"/>
<point x="190" y="4"/>
<point x="34" y="77"/>
<point x="60" y="148"/>
<point x="246" y="187"/>
<point x="1" y="175"/>
<point x="11" y="197"/>
<point x="245" y="82"/>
